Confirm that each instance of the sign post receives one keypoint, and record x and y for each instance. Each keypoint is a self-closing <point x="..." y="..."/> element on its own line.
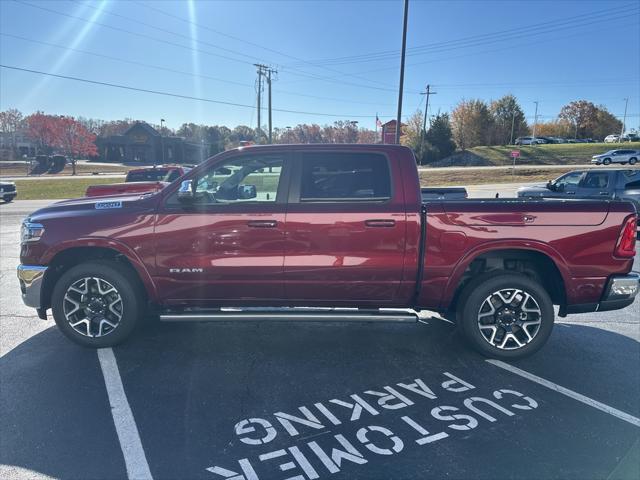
<point x="514" y="154"/>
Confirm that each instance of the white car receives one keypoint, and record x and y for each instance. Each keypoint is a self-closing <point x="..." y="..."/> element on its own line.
<point x="529" y="141"/>
<point x="617" y="156"/>
<point x="611" y="138"/>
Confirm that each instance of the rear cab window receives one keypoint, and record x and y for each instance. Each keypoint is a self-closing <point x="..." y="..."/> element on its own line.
<point x="344" y="177"/>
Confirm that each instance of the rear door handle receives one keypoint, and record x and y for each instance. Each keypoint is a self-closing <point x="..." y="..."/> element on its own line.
<point x="380" y="223"/>
<point x="571" y="193"/>
<point x="262" y="223"/>
<point x="604" y="193"/>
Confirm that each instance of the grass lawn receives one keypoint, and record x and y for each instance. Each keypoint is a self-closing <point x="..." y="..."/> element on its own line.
<point x="55" y="189"/>
<point x="551" y="154"/>
<point x="13" y="169"/>
<point x="477" y="177"/>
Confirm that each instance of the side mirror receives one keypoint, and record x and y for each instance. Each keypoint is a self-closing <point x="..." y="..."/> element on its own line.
<point x="550" y="185"/>
<point x="186" y="191"/>
<point x="247" y="192"/>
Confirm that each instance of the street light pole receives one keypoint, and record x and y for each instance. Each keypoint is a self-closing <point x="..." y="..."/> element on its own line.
<point x="535" y="122"/>
<point x="161" y="142"/>
<point x="401" y="87"/>
<point x="624" y="119"/>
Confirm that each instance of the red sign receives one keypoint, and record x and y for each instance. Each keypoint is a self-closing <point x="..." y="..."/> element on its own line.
<point x="515" y="153"/>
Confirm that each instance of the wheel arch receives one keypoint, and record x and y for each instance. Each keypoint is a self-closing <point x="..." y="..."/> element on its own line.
<point x="67" y="256"/>
<point x="540" y="262"/>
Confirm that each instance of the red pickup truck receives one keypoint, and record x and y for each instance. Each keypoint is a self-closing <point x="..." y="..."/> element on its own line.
<point x="329" y="227"/>
<point x="139" y="180"/>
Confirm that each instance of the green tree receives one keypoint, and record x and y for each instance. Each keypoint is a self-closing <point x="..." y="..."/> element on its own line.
<point x="606" y="124"/>
<point x="439" y="139"/>
<point x="506" y="113"/>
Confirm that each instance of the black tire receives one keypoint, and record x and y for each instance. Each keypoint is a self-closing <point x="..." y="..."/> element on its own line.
<point x="126" y="285"/>
<point x="633" y="160"/>
<point x="606" y="161"/>
<point x="477" y="292"/>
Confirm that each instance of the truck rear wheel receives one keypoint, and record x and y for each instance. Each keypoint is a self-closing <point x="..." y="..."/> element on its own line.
<point x="505" y="315"/>
<point x="96" y="304"/>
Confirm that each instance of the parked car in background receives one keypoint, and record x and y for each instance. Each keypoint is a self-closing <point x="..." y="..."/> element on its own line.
<point x="617" y="156"/>
<point x="529" y="141"/>
<point x="630" y="137"/>
<point x="8" y="191"/>
<point x="604" y="184"/>
<point x="140" y="180"/>
<point x="611" y="138"/>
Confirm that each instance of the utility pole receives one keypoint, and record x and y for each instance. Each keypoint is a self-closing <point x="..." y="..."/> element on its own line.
<point x="401" y="87"/>
<point x="624" y="119"/>
<point x="265" y="70"/>
<point x="161" y="143"/>
<point x="535" y="122"/>
<point x="428" y="93"/>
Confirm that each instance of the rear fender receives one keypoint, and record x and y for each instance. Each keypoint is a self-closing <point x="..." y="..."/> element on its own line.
<point x="526" y="246"/>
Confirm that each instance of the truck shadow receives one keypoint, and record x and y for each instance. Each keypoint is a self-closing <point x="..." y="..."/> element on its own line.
<point x="56" y="417"/>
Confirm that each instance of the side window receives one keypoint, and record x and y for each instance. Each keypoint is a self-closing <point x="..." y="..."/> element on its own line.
<point x="173" y="174"/>
<point x="570" y="179"/>
<point x="253" y="178"/>
<point x="599" y="180"/>
<point x="344" y="177"/>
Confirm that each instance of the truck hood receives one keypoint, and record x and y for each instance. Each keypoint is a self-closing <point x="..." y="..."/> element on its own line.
<point x="94" y="206"/>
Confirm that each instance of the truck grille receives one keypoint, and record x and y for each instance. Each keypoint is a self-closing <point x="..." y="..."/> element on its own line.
<point x="8" y="188"/>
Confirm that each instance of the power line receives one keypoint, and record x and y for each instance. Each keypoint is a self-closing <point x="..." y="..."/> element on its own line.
<point x="176" y="95"/>
<point x="278" y="52"/>
<point x="149" y="37"/>
<point x="180" y="72"/>
<point x="464" y="41"/>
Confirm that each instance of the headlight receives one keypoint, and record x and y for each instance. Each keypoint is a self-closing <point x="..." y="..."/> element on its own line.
<point x="30" y="232"/>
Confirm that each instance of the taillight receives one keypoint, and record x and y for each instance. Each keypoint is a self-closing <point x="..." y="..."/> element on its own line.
<point x="626" y="246"/>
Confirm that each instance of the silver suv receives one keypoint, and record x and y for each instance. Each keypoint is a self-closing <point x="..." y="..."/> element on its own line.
<point x="617" y="156"/>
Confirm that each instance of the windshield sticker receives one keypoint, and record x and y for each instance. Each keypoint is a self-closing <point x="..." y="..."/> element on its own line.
<point x="108" y="205"/>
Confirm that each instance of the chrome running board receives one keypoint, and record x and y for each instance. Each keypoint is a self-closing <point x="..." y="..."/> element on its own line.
<point x="291" y="314"/>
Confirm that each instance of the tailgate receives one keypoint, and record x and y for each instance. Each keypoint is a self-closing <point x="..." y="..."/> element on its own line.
<point x="518" y="212"/>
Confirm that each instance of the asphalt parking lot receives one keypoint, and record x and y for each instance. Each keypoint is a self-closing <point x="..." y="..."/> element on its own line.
<point x="255" y="401"/>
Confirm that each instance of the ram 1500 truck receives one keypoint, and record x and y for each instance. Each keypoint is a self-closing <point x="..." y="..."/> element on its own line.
<point x="338" y="226"/>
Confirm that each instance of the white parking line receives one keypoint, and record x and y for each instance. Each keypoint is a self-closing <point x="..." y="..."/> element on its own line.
<point x="569" y="393"/>
<point x="134" y="457"/>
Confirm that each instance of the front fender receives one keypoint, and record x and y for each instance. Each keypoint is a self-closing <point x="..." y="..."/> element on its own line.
<point x="111" y="244"/>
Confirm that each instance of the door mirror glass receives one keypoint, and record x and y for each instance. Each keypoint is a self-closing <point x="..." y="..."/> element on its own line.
<point x="550" y="185"/>
<point x="185" y="193"/>
<point x="247" y="192"/>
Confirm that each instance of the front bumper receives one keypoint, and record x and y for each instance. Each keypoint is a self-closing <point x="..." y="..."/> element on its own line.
<point x="31" y="278"/>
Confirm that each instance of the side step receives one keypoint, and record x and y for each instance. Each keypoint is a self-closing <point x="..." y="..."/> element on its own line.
<point x="293" y="314"/>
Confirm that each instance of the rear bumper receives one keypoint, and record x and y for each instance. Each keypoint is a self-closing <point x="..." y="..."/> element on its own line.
<point x="620" y="292"/>
<point x="31" y="278"/>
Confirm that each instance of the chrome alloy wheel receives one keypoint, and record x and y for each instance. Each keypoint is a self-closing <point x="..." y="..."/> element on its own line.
<point x="509" y="319"/>
<point x="92" y="307"/>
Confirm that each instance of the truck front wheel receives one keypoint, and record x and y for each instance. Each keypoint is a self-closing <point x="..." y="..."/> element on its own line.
<point x="96" y="304"/>
<point x="505" y="315"/>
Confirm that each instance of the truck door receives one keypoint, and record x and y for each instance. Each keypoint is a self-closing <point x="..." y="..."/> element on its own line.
<point x="595" y="184"/>
<point x="228" y="246"/>
<point x="345" y="229"/>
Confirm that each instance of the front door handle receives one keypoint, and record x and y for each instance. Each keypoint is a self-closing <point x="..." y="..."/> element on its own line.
<point x="570" y="193"/>
<point x="262" y="223"/>
<point x="604" y="193"/>
<point x="383" y="223"/>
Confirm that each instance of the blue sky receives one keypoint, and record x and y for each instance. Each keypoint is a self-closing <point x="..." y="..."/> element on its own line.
<point x="335" y="58"/>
